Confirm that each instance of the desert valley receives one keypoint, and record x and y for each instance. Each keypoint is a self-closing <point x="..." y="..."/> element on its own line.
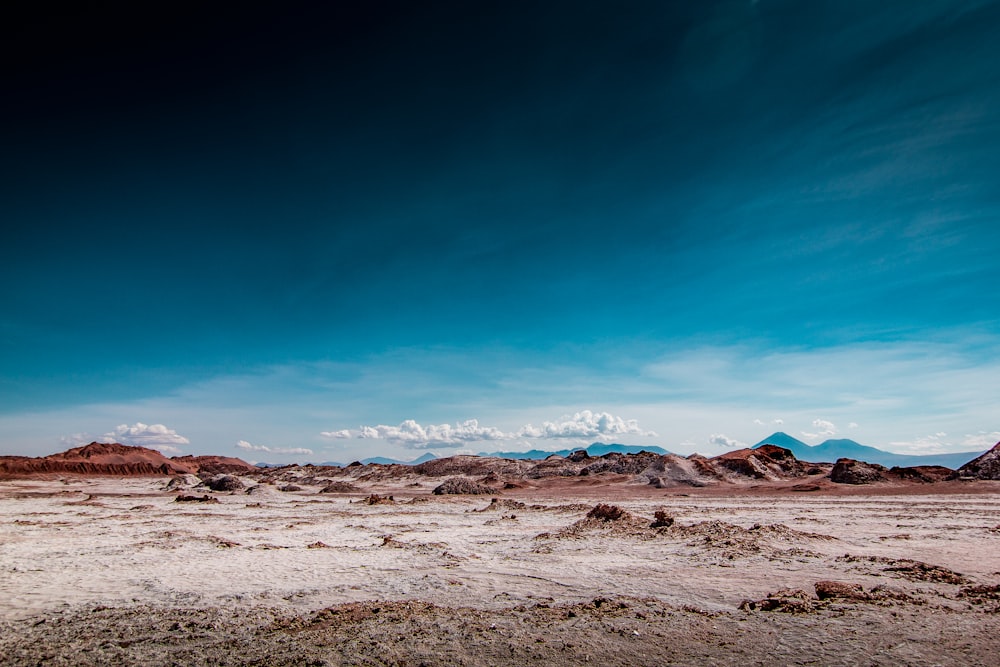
<point x="118" y="555"/>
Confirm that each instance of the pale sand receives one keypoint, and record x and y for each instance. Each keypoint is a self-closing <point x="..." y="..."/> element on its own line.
<point x="67" y="547"/>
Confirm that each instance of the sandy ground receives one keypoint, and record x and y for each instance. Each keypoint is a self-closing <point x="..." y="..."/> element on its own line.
<point x="115" y="571"/>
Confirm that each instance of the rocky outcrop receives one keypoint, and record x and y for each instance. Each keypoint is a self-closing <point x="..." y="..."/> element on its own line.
<point x="100" y="458"/>
<point x="849" y="471"/>
<point x="923" y="474"/>
<point x="766" y="462"/>
<point x="97" y="458"/>
<point x="460" y="485"/>
<point x="209" y="466"/>
<point x="986" y="466"/>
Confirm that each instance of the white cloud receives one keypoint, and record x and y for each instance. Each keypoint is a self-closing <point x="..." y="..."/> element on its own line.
<point x="153" y="436"/>
<point x="855" y="425"/>
<point x="247" y="447"/>
<point x="981" y="440"/>
<point x="582" y="425"/>
<point x="412" y="434"/>
<point x="168" y="450"/>
<point x="585" y="425"/>
<point x="777" y="422"/>
<point x="722" y="440"/>
<point x="825" y="429"/>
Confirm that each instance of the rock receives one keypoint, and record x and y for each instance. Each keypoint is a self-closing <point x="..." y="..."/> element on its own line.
<point x="661" y="519"/>
<point x="339" y="487"/>
<point x="460" y="485"/>
<point x="182" y="482"/>
<point x="224" y="483"/>
<point x="849" y="471"/>
<point x="826" y="590"/>
<point x="606" y="512"/>
<point x="792" y="601"/>
<point x="986" y="466"/>
<point x="196" y="499"/>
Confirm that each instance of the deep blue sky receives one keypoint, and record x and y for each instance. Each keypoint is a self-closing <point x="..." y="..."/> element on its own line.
<point x="717" y="219"/>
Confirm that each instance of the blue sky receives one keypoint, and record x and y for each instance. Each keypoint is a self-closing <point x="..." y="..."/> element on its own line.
<point x="303" y="234"/>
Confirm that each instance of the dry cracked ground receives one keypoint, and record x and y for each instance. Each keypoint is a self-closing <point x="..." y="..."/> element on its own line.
<point x="116" y="571"/>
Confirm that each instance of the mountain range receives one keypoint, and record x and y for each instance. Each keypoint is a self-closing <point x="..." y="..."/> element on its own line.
<point x="831" y="450"/>
<point x="827" y="451"/>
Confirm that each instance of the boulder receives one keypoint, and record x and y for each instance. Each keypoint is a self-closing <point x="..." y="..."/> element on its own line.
<point x="849" y="471"/>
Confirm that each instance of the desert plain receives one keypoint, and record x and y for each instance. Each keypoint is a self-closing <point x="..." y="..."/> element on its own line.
<point x="378" y="570"/>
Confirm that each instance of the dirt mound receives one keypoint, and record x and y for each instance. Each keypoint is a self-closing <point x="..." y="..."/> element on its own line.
<point x="500" y="504"/>
<point x="461" y="485"/>
<point x="849" y="471"/>
<point x="914" y="570"/>
<point x="605" y="518"/>
<point x="986" y="466"/>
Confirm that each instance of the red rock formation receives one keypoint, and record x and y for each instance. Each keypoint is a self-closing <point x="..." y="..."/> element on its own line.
<point x="100" y="458"/>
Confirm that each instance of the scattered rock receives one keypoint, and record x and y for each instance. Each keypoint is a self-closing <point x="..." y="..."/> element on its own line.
<point x="288" y="488"/>
<point x="318" y="545"/>
<point x="376" y="499"/>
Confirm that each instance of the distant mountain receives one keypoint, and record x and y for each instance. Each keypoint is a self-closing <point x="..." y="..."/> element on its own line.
<point x="831" y="450"/>
<point x="596" y="449"/>
<point x="387" y="461"/>
<point x="382" y="460"/>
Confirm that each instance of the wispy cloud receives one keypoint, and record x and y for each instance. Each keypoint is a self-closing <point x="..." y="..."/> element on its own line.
<point x="247" y="447"/>
<point x="825" y="428"/>
<point x="724" y="441"/>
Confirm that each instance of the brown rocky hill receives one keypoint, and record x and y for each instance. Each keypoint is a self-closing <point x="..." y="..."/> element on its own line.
<point x="100" y="458"/>
<point x="986" y="466"/>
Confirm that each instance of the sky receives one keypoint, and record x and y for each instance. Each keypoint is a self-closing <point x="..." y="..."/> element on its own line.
<point x="301" y="233"/>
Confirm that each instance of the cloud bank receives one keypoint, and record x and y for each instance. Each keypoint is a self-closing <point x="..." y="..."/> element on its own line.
<point x="580" y="426"/>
